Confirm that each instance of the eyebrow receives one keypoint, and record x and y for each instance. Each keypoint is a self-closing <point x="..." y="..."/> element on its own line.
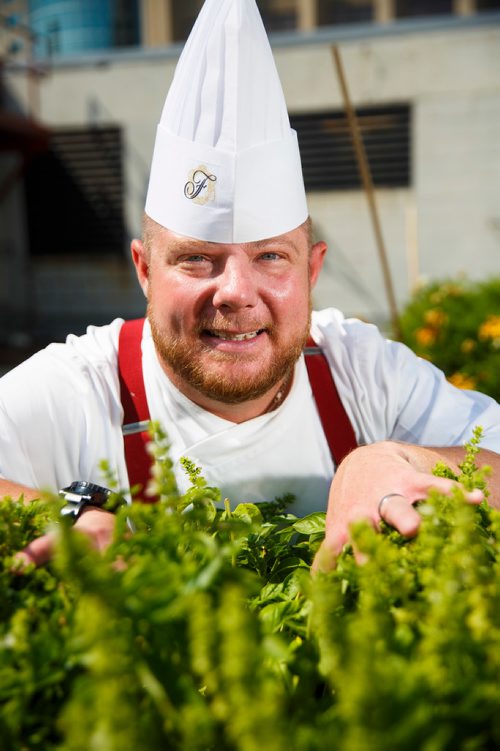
<point x="191" y="245"/>
<point x="269" y="241"/>
<point x="198" y="246"/>
<point x="276" y="243"/>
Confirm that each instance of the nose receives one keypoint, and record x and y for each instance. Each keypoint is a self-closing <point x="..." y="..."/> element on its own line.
<point x="236" y="287"/>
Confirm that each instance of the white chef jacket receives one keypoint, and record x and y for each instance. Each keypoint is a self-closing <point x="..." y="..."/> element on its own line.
<point x="60" y="415"/>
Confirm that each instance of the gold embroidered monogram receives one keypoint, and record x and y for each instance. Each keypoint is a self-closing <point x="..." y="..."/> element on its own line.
<point x="200" y="187"/>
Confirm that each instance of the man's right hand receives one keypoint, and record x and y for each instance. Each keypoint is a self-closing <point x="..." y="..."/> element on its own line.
<point x="96" y="523"/>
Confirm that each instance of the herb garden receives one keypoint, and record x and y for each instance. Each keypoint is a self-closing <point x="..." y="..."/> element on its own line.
<point x="456" y="325"/>
<point x="203" y="629"/>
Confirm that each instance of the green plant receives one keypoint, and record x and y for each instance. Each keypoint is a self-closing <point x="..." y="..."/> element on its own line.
<point x="456" y="325"/>
<point x="204" y="630"/>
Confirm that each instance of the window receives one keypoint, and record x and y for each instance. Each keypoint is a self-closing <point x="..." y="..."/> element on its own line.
<point x="485" y="5"/>
<point x="279" y="15"/>
<point x="74" y="194"/>
<point x="344" y="11"/>
<point x="126" y="23"/>
<point x="184" y="15"/>
<point x="328" y="157"/>
<point x="412" y="8"/>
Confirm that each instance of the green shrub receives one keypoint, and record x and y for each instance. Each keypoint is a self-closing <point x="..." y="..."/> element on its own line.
<point x="456" y="325"/>
<point x="203" y="630"/>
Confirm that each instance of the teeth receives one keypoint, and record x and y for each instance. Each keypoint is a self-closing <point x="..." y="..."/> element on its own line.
<point x="235" y="337"/>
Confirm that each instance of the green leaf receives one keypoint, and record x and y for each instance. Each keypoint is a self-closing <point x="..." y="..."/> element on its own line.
<point x="248" y="511"/>
<point x="312" y="524"/>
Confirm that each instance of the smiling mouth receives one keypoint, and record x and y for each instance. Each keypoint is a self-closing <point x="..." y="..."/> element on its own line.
<point x="233" y="337"/>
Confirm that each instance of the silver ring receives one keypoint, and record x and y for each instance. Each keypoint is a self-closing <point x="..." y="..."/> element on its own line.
<point x="386" y="498"/>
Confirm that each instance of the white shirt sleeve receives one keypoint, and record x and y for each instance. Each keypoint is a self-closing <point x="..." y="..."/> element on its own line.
<point x="60" y="413"/>
<point x="390" y="393"/>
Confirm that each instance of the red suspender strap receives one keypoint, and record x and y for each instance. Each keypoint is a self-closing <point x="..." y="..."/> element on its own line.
<point x="336" y="424"/>
<point x="135" y="406"/>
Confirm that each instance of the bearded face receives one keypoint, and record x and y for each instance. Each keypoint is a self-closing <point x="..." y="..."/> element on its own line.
<point x="229" y="321"/>
<point x="233" y="373"/>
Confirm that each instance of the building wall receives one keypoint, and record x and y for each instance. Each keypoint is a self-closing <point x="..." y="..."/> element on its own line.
<point x="445" y="223"/>
<point x="448" y="221"/>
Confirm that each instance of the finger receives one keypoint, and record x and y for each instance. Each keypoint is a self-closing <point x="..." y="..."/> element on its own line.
<point x="119" y="564"/>
<point x="39" y="551"/>
<point x="325" y="559"/>
<point x="399" y="513"/>
<point x="360" y="557"/>
<point x="446" y="486"/>
<point x="475" y="496"/>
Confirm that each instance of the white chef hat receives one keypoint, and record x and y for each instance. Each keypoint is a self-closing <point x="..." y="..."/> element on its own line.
<point x="226" y="165"/>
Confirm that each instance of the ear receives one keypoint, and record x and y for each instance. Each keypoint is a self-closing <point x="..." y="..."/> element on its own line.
<point x="141" y="263"/>
<point x="316" y="258"/>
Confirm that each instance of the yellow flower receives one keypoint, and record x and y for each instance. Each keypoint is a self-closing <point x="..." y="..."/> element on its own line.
<point x="467" y="346"/>
<point x="435" y="318"/>
<point x="426" y="336"/>
<point x="462" y="381"/>
<point x="449" y="289"/>
<point x="490" y="328"/>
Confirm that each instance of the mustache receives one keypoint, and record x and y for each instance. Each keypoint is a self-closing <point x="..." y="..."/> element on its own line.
<point x="237" y="324"/>
<point x="223" y="323"/>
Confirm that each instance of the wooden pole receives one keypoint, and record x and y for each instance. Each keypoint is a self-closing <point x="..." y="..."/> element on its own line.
<point x="367" y="181"/>
<point x="412" y="247"/>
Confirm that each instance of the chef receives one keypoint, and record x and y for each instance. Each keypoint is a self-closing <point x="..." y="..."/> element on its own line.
<point x="267" y="397"/>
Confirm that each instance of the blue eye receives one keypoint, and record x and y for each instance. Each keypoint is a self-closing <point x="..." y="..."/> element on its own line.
<point x="270" y="256"/>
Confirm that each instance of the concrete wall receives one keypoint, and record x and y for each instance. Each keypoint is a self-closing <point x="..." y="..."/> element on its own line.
<point x="446" y="222"/>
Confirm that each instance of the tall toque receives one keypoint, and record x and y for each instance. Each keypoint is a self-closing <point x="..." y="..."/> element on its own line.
<point x="226" y="165"/>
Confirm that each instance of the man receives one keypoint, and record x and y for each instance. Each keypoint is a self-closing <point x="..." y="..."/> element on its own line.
<point x="227" y="265"/>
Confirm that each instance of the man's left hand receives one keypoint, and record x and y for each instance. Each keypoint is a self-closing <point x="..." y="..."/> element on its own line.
<point x="400" y="474"/>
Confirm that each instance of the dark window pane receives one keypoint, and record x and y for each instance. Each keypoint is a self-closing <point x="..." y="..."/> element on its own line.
<point x="482" y="5"/>
<point x="327" y="152"/>
<point x="184" y="15"/>
<point x="126" y="23"/>
<point x="411" y="8"/>
<point x="278" y="15"/>
<point x="75" y="194"/>
<point x="344" y="11"/>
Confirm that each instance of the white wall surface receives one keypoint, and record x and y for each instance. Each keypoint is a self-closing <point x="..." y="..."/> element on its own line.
<point x="446" y="222"/>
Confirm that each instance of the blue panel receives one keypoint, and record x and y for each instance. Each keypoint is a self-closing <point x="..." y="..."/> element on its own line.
<point x="72" y="26"/>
